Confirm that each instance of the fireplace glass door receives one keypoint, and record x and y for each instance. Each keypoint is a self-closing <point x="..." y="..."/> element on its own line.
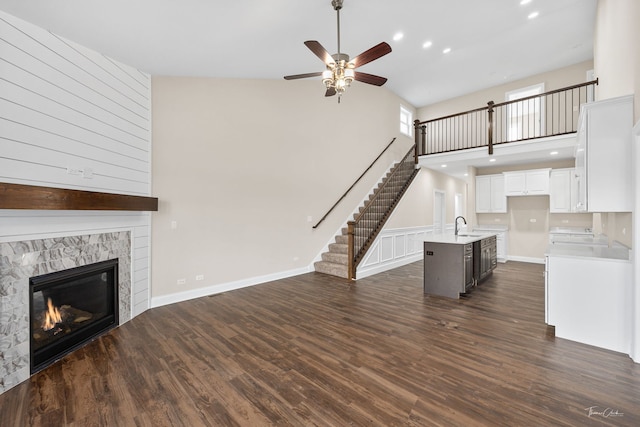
<point x="69" y="308"/>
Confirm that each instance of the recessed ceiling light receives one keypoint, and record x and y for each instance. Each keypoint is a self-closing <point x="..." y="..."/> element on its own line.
<point x="446" y="50"/>
<point x="466" y="174"/>
<point x="443" y="166"/>
<point x="398" y="36"/>
<point x="553" y="153"/>
<point x="492" y="160"/>
<point x="427" y="44"/>
<point x="523" y="2"/>
<point x="533" y="15"/>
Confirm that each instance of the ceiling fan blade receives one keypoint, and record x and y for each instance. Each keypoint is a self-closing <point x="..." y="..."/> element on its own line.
<point x="303" y="76"/>
<point x="319" y="51"/>
<point x="369" y="78"/>
<point x="330" y="91"/>
<point x="372" y="54"/>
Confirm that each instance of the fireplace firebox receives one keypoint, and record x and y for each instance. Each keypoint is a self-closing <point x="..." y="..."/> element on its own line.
<point x="69" y="308"/>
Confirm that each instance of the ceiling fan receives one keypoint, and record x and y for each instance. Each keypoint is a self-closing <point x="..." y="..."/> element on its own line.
<point x="340" y="72"/>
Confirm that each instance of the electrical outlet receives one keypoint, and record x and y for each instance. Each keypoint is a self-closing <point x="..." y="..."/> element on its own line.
<point x="533" y="220"/>
<point x="182" y="281"/>
<point x="200" y="277"/>
<point x="72" y="171"/>
<point x="174" y="225"/>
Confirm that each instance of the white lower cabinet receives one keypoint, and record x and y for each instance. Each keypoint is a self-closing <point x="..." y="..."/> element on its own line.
<point x="501" y="246"/>
<point x="587" y="300"/>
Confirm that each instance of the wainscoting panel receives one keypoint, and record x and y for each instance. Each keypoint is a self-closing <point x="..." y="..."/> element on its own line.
<point x="394" y="248"/>
<point x="386" y="248"/>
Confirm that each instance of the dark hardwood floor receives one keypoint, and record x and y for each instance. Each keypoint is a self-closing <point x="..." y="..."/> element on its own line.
<point x="317" y="350"/>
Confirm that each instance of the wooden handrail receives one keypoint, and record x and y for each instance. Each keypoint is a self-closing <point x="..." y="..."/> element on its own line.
<point x="475" y="110"/>
<point x="379" y="190"/>
<point x="378" y="209"/>
<point x="551" y="92"/>
<point x="354" y="184"/>
<point x="487" y="126"/>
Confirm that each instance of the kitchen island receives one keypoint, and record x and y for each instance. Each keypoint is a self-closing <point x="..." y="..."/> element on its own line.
<point x="454" y="264"/>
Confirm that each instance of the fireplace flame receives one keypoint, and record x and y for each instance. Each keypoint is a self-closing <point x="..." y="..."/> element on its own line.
<point x="51" y="316"/>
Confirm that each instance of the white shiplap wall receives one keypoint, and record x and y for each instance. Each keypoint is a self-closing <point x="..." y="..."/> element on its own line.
<point x="73" y="118"/>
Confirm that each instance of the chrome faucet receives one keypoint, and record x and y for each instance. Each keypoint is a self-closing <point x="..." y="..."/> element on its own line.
<point x="457" y="218"/>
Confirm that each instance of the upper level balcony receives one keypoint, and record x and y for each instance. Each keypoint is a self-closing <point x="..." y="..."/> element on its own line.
<point x="521" y="130"/>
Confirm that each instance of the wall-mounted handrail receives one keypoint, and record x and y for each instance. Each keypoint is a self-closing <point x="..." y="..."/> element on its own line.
<point x="354" y="184"/>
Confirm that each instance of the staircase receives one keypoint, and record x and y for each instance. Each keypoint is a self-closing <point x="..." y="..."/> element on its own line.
<point x="369" y="220"/>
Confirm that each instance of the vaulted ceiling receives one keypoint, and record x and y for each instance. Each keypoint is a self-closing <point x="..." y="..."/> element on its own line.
<point x="491" y="41"/>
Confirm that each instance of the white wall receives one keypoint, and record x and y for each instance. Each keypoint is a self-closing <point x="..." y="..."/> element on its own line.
<point x="240" y="165"/>
<point x="616" y="53"/>
<point x="416" y="207"/>
<point x="62" y="107"/>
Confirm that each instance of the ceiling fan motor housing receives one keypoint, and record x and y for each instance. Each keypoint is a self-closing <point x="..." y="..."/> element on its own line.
<point x="340" y="57"/>
<point x="337" y="4"/>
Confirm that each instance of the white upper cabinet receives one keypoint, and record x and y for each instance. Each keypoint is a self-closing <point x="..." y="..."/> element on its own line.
<point x="490" y="196"/>
<point x="527" y="183"/>
<point x="603" y="156"/>
<point x="562" y="191"/>
<point x="498" y="198"/>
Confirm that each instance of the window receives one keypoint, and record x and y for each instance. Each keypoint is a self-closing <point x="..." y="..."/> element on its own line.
<point x="525" y="119"/>
<point x="406" y="121"/>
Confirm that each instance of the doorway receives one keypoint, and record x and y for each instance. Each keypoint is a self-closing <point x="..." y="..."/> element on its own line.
<point x="439" y="211"/>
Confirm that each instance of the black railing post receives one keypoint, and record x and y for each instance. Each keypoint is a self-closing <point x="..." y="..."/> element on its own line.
<point x="490" y="127"/>
<point x="416" y="134"/>
<point x="423" y="130"/>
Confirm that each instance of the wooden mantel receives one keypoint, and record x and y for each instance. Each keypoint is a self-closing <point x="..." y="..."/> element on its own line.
<point x="18" y="196"/>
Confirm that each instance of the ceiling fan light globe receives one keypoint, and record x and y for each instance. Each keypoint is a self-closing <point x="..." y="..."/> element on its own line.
<point x="327" y="78"/>
<point x="349" y="75"/>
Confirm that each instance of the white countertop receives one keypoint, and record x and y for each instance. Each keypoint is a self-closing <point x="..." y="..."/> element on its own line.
<point x="571" y="230"/>
<point x="588" y="251"/>
<point x="490" y="227"/>
<point x="458" y="240"/>
<point x="600" y="240"/>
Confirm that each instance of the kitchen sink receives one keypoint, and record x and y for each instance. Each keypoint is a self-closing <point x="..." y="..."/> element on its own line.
<point x="469" y="235"/>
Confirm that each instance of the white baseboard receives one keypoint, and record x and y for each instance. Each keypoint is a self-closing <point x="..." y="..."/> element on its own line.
<point x="224" y="287"/>
<point x="526" y="259"/>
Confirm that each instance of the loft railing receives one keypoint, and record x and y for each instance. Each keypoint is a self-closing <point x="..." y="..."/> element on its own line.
<point x="363" y="230"/>
<point x="354" y="184"/>
<point x="538" y="116"/>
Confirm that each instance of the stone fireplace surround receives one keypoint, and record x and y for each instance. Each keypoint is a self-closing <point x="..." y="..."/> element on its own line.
<point x="21" y="260"/>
